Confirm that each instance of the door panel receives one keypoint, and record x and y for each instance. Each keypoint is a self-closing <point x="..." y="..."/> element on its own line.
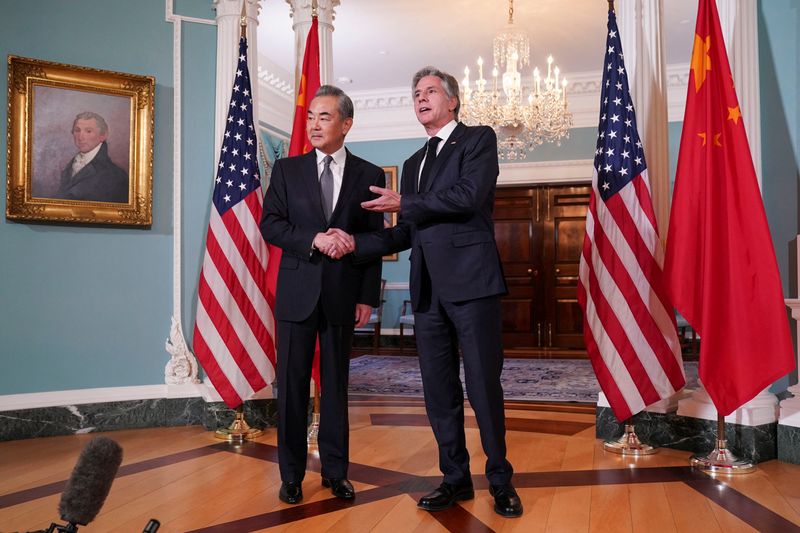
<point x="539" y="233"/>
<point x="518" y="244"/>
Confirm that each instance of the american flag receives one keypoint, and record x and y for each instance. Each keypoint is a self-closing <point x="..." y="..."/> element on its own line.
<point x="235" y="329"/>
<point x="629" y="324"/>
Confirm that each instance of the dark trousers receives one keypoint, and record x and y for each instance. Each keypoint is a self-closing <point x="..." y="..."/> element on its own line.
<point x="296" y="343"/>
<point x="476" y="326"/>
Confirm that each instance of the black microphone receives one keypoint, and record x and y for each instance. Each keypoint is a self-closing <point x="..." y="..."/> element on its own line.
<point x="152" y="526"/>
<point x="89" y="483"/>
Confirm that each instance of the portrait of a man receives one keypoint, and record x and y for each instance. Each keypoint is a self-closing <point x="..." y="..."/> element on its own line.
<point x="91" y="175"/>
<point x="81" y="146"/>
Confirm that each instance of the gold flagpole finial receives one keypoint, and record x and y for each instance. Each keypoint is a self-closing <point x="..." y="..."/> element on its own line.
<point x="313" y="8"/>
<point x="611" y="5"/>
<point x="243" y="19"/>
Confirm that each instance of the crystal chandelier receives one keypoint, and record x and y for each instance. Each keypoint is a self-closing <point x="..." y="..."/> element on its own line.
<point x="520" y="123"/>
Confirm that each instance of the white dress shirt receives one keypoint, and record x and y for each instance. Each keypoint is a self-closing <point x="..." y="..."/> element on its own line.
<point x="81" y="160"/>
<point x="443" y="134"/>
<point x="337" y="169"/>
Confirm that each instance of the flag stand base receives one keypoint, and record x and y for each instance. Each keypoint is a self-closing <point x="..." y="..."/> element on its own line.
<point x="313" y="430"/>
<point x="629" y="444"/>
<point x="721" y="460"/>
<point x="239" y="430"/>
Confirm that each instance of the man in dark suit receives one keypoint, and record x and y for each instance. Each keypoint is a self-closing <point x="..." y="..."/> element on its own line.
<point x="321" y="291"/>
<point x="445" y="206"/>
<point x="91" y="176"/>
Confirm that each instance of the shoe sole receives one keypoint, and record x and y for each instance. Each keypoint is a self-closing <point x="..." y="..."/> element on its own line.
<point x="327" y="485"/>
<point x="458" y="498"/>
<point x="500" y="511"/>
<point x="507" y="515"/>
<point x="290" y="502"/>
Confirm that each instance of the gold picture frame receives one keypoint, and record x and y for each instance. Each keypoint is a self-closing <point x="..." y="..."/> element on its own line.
<point x="79" y="144"/>
<point x="390" y="219"/>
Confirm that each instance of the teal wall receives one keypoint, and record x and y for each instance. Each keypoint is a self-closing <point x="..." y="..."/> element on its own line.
<point x="779" y="57"/>
<point x="89" y="306"/>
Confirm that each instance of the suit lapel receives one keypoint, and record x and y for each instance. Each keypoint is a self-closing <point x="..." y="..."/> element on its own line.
<point x="350" y="177"/>
<point x="450" y="145"/>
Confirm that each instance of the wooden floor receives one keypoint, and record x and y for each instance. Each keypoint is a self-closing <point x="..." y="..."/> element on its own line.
<point x="191" y="482"/>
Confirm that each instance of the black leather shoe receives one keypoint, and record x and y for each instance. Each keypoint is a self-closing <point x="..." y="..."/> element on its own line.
<point x="291" y="492"/>
<point x="340" y="487"/>
<point x="506" y="500"/>
<point x="446" y="495"/>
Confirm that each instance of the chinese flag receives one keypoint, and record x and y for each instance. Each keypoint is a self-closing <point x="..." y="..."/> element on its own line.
<point x="299" y="144"/>
<point x="309" y="83"/>
<point x="720" y="264"/>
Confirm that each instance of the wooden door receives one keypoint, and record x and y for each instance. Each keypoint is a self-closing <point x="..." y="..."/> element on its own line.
<point x="539" y="231"/>
<point x="563" y="227"/>
<point x="516" y="213"/>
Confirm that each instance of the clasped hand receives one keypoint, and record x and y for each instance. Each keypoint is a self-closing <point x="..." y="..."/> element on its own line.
<point x="335" y="243"/>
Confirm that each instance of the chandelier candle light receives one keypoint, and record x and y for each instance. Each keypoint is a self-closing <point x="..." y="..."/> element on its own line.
<point x="520" y="123"/>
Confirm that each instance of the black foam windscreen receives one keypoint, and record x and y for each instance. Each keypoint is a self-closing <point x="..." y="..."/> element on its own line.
<point x="90" y="481"/>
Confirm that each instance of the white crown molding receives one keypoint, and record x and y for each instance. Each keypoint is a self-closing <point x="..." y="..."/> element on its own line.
<point x="276" y="105"/>
<point x="387" y="114"/>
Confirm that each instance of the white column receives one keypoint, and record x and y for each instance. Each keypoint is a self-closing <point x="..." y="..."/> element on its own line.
<point x="640" y="29"/>
<point x="228" y="30"/>
<point x="739" y="22"/>
<point x="181" y="369"/>
<point x="301" y="14"/>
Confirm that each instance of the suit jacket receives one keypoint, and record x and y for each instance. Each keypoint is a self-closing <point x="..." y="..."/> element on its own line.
<point x="99" y="181"/>
<point x="449" y="224"/>
<point x="291" y="218"/>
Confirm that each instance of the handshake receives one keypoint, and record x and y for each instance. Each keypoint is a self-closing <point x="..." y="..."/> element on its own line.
<point x="334" y="243"/>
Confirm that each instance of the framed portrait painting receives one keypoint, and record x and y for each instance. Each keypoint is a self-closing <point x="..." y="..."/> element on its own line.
<point x="80" y="144"/>
<point x="390" y="219"/>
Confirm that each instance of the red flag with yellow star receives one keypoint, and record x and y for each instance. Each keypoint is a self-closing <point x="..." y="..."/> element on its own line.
<point x="309" y="83"/>
<point x="720" y="263"/>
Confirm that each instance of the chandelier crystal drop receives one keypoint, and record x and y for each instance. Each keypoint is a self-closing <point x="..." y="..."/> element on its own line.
<point x="522" y="117"/>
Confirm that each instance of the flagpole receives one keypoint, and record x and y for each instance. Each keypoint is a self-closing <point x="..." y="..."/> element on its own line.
<point x="313" y="427"/>
<point x="721" y="460"/>
<point x="602" y="208"/>
<point x="629" y="443"/>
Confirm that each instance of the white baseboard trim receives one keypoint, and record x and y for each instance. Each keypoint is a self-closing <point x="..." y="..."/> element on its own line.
<point x="38" y="400"/>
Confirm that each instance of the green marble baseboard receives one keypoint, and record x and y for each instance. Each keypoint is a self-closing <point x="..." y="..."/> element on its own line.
<point x="753" y="443"/>
<point x="132" y="414"/>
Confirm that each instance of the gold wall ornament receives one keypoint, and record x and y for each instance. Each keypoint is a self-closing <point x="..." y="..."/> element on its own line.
<point x="62" y="166"/>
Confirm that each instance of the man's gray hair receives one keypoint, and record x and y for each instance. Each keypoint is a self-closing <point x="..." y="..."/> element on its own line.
<point x="345" y="103"/>
<point x="89" y="115"/>
<point x="449" y="84"/>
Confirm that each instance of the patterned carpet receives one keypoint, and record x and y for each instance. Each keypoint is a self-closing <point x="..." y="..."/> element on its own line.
<point x="547" y="380"/>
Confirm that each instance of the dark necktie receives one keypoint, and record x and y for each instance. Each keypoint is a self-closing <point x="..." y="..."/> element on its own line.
<point x="430" y="157"/>
<point x="326" y="187"/>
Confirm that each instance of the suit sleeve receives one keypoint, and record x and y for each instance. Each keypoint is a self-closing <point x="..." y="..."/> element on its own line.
<point x="371" y="280"/>
<point x="276" y="226"/>
<point x="477" y="176"/>
<point x="387" y="240"/>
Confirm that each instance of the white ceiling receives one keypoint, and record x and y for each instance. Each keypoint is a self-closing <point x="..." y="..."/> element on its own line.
<point x="380" y="43"/>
